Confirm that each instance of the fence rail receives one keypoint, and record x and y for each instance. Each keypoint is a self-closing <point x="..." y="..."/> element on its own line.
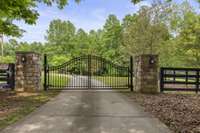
<point x="179" y="79"/>
<point x="7" y="76"/>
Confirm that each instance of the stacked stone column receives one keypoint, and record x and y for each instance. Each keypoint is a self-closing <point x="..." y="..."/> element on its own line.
<point x="146" y="74"/>
<point x="28" y="71"/>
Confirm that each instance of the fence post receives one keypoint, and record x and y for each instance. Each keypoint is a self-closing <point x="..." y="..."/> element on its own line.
<point x="12" y="76"/>
<point x="161" y="79"/>
<point x="131" y="72"/>
<point x="8" y="76"/>
<point x="45" y="72"/>
<point x="197" y="82"/>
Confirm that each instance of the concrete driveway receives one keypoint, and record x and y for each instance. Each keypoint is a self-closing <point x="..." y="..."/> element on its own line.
<point x="89" y="112"/>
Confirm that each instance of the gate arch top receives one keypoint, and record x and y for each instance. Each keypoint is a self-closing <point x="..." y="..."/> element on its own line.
<point x="86" y="57"/>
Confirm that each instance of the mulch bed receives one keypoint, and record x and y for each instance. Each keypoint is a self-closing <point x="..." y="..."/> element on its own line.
<point x="180" y="112"/>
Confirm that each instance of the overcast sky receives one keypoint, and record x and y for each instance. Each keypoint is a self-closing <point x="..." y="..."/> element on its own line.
<point x="89" y="14"/>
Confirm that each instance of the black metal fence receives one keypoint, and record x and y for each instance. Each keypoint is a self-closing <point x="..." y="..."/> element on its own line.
<point x="7" y="76"/>
<point x="179" y="79"/>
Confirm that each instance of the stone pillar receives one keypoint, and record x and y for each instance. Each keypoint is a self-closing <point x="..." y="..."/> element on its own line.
<point x="146" y="74"/>
<point x="28" y="71"/>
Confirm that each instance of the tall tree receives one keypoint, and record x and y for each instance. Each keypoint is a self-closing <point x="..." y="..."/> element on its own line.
<point x="189" y="39"/>
<point x="95" y="41"/>
<point x="82" y="42"/>
<point x="61" y="36"/>
<point x="144" y="32"/>
<point x="172" y="48"/>
<point x="111" y="37"/>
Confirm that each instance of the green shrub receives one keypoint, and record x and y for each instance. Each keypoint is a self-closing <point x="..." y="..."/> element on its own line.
<point x="7" y="59"/>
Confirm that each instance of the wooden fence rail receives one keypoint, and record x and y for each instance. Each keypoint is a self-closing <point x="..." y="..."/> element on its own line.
<point x="7" y="76"/>
<point x="179" y="79"/>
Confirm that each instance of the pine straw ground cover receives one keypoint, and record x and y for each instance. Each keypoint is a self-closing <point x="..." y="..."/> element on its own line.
<point x="180" y="112"/>
<point x="14" y="106"/>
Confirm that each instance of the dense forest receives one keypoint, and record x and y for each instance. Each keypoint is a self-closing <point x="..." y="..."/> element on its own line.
<point x="165" y="28"/>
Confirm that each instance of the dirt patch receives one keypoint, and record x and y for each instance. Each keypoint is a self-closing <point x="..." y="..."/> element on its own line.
<point x="180" y="112"/>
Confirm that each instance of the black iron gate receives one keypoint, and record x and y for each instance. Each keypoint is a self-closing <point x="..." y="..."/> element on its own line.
<point x="88" y="72"/>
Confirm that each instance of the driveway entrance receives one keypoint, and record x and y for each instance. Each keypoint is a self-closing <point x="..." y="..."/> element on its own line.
<point x="89" y="112"/>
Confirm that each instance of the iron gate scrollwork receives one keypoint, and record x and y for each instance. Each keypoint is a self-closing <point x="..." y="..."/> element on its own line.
<point x="88" y="72"/>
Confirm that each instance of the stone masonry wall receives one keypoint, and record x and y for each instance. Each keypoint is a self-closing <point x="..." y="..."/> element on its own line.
<point x="28" y="72"/>
<point x="146" y="74"/>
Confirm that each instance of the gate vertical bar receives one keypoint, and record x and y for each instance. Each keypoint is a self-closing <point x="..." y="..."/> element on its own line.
<point x="89" y="71"/>
<point x="45" y="72"/>
<point x="131" y="72"/>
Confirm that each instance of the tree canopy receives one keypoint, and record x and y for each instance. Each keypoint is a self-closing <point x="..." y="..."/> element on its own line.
<point x="137" y="1"/>
<point x="24" y="10"/>
<point x="168" y="29"/>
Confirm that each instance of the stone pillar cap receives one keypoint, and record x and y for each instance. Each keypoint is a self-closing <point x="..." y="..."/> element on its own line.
<point x="26" y="52"/>
<point x="147" y="55"/>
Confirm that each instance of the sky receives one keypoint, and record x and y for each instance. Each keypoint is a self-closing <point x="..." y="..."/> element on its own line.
<point x="89" y="14"/>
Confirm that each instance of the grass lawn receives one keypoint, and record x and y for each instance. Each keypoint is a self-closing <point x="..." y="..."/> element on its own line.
<point x="14" y="106"/>
<point x="113" y="81"/>
<point x="57" y="79"/>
